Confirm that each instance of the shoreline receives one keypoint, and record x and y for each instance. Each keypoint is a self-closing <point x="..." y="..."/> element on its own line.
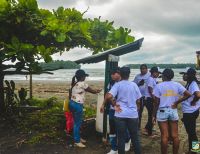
<point x="59" y="89"/>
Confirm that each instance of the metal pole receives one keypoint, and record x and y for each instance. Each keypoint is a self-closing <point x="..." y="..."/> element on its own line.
<point x="111" y="63"/>
<point x="31" y="86"/>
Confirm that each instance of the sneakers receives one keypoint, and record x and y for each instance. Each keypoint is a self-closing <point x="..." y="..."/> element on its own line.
<point x="112" y="152"/>
<point x="83" y="141"/>
<point x="128" y="146"/>
<point x="80" y="145"/>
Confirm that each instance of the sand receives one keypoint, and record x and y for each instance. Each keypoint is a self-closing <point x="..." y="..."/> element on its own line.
<point x="47" y="89"/>
<point x="58" y="89"/>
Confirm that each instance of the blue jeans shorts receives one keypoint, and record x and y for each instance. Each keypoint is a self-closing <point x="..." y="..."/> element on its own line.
<point x="167" y="113"/>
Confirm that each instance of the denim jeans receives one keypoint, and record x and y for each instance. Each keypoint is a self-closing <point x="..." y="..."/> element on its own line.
<point x="77" y="111"/>
<point x="113" y="131"/>
<point x="122" y="124"/>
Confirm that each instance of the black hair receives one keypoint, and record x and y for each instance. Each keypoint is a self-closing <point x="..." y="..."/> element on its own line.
<point x="75" y="79"/>
<point x="190" y="79"/>
<point x="125" y="75"/>
<point x="143" y="65"/>
<point x="168" y="74"/>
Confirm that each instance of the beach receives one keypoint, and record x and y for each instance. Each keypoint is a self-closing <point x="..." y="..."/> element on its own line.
<point x="59" y="89"/>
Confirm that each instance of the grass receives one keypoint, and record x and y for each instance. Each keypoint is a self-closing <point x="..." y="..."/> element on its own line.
<point x="46" y="125"/>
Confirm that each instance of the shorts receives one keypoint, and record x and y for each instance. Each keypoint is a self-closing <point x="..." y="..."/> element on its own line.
<point x="167" y="114"/>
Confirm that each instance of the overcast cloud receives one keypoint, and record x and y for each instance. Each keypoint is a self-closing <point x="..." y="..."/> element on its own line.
<point x="171" y="29"/>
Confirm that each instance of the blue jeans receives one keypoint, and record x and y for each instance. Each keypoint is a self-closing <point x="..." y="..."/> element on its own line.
<point x="122" y="125"/>
<point x="113" y="131"/>
<point x="77" y="111"/>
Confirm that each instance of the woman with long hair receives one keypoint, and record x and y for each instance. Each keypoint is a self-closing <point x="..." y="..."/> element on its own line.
<point x="77" y="99"/>
<point x="167" y="94"/>
<point x="190" y="107"/>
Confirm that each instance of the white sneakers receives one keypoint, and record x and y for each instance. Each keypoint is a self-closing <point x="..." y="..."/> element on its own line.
<point x="83" y="141"/>
<point x="80" y="145"/>
<point x="112" y="152"/>
<point x="128" y="146"/>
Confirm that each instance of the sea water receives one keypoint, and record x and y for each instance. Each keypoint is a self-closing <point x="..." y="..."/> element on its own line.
<point x="94" y="75"/>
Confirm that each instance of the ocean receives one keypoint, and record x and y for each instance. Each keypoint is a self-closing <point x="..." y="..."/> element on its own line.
<point x="95" y="75"/>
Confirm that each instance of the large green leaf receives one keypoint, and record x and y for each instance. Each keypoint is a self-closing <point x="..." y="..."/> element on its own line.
<point x="61" y="37"/>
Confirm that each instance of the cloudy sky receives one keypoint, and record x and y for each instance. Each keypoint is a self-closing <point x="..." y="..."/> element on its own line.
<point x="171" y="29"/>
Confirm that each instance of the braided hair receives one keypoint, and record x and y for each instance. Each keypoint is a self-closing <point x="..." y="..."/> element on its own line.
<point x="190" y="79"/>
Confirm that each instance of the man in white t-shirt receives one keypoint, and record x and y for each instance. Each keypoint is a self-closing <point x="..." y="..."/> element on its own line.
<point x="126" y="110"/>
<point x="149" y="98"/>
<point x="141" y="80"/>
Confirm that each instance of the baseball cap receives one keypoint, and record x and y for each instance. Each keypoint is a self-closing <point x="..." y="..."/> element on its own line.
<point x="81" y="73"/>
<point x="154" y="69"/>
<point x="115" y="70"/>
<point x="190" y="71"/>
<point x="169" y="73"/>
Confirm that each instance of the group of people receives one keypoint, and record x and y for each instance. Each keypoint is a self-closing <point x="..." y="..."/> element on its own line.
<point x="127" y="100"/>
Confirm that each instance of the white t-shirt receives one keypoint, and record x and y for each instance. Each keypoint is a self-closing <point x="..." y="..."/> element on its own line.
<point x="127" y="93"/>
<point x="140" y="77"/>
<point x="78" y="92"/>
<point x="151" y="82"/>
<point x="168" y="92"/>
<point x="186" y="106"/>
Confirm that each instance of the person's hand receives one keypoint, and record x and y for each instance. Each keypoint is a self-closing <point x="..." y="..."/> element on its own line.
<point x="117" y="108"/>
<point x="193" y="103"/>
<point x="98" y="91"/>
<point x="154" y="120"/>
<point x="102" y="109"/>
<point x="174" y="106"/>
<point x="141" y="83"/>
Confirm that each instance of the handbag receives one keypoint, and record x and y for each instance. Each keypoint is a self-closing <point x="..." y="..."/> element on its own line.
<point x="66" y="105"/>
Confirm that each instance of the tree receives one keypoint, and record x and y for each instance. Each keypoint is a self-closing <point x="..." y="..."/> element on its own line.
<point x="29" y="34"/>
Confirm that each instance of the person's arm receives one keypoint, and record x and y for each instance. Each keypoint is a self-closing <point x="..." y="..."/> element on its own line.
<point x="196" y="98"/>
<point x="155" y="108"/>
<point x="107" y="98"/>
<point x="156" y="101"/>
<point x="138" y="104"/>
<point x="93" y="91"/>
<point x="186" y="95"/>
<point x="141" y="83"/>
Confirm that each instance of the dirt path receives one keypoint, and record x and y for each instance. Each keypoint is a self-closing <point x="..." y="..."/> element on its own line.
<point x="12" y="143"/>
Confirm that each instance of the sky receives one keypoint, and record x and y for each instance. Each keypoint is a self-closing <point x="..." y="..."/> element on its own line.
<point x="171" y="29"/>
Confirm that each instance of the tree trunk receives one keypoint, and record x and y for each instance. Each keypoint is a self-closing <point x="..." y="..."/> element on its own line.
<point x="2" y="102"/>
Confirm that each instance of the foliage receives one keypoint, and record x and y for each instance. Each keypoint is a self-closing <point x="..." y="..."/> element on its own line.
<point x="162" y="66"/>
<point x="59" y="65"/>
<point x="11" y="98"/>
<point x="29" y="34"/>
<point x="47" y="124"/>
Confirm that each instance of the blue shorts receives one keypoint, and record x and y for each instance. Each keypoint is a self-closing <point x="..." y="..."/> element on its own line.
<point x="167" y="114"/>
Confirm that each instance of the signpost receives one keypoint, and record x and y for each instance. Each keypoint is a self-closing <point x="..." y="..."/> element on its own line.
<point x="111" y="64"/>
